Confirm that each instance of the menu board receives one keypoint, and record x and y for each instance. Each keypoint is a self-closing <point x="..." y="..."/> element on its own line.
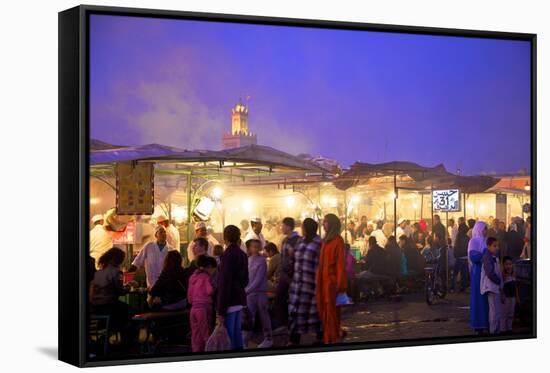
<point x="134" y="188"/>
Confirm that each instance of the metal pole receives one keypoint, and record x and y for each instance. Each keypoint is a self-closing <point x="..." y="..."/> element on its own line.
<point x="395" y="204"/>
<point x="421" y="205"/>
<point x="345" y="216"/>
<point x="464" y="203"/>
<point x="189" y="207"/>
<point x="320" y="216"/>
<point x="432" y="204"/>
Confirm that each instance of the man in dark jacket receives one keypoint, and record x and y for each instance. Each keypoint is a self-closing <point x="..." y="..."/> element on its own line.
<point x="438" y="228"/>
<point x="232" y="281"/>
<point x="393" y="258"/>
<point x="375" y="260"/>
<point x="415" y="262"/>
<point x="461" y="256"/>
<point x="286" y="268"/>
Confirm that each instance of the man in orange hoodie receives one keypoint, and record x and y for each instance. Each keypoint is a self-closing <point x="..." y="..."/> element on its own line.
<point x="331" y="279"/>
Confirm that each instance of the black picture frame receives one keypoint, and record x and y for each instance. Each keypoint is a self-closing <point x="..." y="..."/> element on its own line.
<point x="74" y="169"/>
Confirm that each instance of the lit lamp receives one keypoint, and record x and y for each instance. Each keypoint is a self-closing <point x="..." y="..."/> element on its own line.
<point x="248" y="205"/>
<point x="217" y="193"/>
<point x="290" y="201"/>
<point x="527" y="186"/>
<point x="180" y="214"/>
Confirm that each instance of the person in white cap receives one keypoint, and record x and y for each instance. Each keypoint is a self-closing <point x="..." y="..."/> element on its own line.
<point x="172" y="233"/>
<point x="200" y="231"/>
<point x="400" y="228"/>
<point x="152" y="256"/>
<point x="254" y="233"/>
<point x="100" y="239"/>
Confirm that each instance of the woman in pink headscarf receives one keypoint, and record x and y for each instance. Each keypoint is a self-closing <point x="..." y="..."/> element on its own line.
<point x="479" y="306"/>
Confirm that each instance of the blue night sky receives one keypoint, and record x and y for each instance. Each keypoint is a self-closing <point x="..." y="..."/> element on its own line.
<point x="347" y="95"/>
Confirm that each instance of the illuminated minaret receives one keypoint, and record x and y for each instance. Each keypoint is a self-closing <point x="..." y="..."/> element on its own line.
<point x="240" y="134"/>
<point x="239" y="119"/>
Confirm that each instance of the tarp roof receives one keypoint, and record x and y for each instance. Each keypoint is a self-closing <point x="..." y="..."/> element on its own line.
<point x="438" y="176"/>
<point x="249" y="156"/>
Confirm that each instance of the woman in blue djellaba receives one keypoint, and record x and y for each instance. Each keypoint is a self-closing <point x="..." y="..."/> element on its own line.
<point x="479" y="306"/>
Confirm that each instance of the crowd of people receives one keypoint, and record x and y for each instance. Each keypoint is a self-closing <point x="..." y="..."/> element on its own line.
<point x="293" y="285"/>
<point x="232" y="282"/>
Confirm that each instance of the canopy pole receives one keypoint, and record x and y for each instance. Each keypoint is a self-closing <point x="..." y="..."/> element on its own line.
<point x="320" y="214"/>
<point x="432" y="204"/>
<point x="346" y="216"/>
<point x="395" y="205"/>
<point x="421" y="205"/>
<point x="189" y="211"/>
<point x="464" y="203"/>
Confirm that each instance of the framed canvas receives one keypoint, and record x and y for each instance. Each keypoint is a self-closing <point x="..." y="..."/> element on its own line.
<point x="234" y="186"/>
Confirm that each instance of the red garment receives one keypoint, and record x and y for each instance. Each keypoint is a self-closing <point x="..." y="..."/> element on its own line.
<point x="423" y="226"/>
<point x="331" y="280"/>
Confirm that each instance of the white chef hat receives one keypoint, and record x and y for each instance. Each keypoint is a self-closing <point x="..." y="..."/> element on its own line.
<point x="97" y="218"/>
<point x="161" y="218"/>
<point x="256" y="219"/>
<point x="400" y="221"/>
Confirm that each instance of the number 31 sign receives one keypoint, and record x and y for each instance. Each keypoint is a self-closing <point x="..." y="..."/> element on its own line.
<point x="446" y="200"/>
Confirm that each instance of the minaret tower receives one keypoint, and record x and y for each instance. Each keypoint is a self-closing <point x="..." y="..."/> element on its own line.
<point x="240" y="134"/>
<point x="239" y="119"/>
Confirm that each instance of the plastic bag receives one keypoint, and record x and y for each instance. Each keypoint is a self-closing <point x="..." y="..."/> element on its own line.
<point x="219" y="339"/>
<point x="342" y="299"/>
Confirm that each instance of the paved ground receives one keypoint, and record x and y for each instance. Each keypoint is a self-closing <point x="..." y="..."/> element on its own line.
<point x="409" y="317"/>
<point x="403" y="318"/>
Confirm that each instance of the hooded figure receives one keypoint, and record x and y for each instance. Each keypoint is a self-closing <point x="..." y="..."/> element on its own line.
<point x="479" y="306"/>
<point x="331" y="279"/>
<point x="514" y="242"/>
<point x="462" y="240"/>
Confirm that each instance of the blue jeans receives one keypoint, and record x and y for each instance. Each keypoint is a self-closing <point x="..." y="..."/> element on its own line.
<point x="233" y="325"/>
<point x="461" y="266"/>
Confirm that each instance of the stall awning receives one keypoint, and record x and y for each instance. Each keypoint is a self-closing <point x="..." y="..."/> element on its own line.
<point x="247" y="157"/>
<point x="412" y="175"/>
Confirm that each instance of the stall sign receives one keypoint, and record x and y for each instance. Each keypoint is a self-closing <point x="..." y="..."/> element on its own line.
<point x="446" y="200"/>
<point x="134" y="188"/>
<point x="127" y="236"/>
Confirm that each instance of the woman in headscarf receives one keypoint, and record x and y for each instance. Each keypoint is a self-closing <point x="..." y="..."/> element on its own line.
<point x="331" y="279"/>
<point x="302" y="305"/>
<point x="479" y="307"/>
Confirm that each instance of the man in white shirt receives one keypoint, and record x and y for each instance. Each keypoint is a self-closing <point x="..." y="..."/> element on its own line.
<point x="452" y="230"/>
<point x="200" y="231"/>
<point x="400" y="228"/>
<point x="100" y="239"/>
<point x="172" y="233"/>
<point x="152" y="256"/>
<point x="254" y="233"/>
<point x="381" y="239"/>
